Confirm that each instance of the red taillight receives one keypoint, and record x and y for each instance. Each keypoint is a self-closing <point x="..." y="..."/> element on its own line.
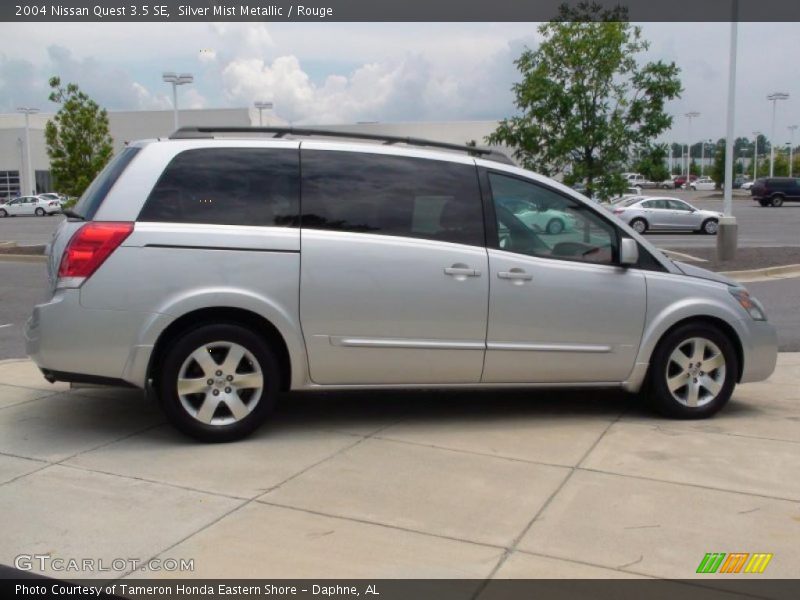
<point x="91" y="245"/>
<point x="619" y="211"/>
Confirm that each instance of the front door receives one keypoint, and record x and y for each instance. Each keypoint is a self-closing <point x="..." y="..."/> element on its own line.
<point x="394" y="271"/>
<point x="560" y="310"/>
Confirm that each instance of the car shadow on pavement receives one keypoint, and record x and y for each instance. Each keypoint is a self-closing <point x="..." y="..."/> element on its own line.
<point x="363" y="408"/>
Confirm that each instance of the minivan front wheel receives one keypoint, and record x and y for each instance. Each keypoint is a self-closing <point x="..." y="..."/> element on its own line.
<point x="218" y="382"/>
<point x="693" y="372"/>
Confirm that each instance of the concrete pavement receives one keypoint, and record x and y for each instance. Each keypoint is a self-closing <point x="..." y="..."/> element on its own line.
<point x="398" y="485"/>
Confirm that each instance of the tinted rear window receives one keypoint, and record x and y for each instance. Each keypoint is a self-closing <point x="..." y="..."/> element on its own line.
<point x="228" y="186"/>
<point x="392" y="195"/>
<point x="93" y="197"/>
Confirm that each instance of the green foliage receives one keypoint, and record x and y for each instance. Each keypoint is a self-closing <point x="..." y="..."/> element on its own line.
<point x="652" y="163"/>
<point x="718" y="168"/>
<point x="78" y="142"/>
<point x="584" y="100"/>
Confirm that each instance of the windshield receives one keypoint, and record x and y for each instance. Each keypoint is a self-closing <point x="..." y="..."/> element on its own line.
<point x="93" y="197"/>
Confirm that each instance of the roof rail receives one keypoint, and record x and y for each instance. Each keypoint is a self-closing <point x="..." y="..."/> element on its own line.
<point x="199" y="132"/>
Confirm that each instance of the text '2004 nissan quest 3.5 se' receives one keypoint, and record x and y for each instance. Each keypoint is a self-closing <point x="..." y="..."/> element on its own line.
<point x="218" y="268"/>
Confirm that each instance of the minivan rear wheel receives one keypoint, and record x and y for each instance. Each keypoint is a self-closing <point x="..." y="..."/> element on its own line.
<point x="693" y="372"/>
<point x="218" y="382"/>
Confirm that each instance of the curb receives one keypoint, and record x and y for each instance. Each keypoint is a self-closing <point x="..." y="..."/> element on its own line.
<point x="32" y="258"/>
<point x="781" y="272"/>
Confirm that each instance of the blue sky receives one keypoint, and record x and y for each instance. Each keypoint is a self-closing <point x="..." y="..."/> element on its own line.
<point x="345" y="72"/>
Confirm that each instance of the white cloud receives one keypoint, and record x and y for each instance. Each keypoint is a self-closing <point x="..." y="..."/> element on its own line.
<point x="408" y="88"/>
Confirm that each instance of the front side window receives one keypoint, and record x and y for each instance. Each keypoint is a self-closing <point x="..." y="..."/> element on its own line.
<point x="678" y="205"/>
<point x="391" y="195"/>
<point x="535" y="220"/>
<point x="228" y="186"/>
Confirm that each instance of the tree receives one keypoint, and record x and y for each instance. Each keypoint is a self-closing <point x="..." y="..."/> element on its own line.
<point x="653" y="162"/>
<point x="78" y="142"/>
<point x="585" y="102"/>
<point x="718" y="168"/>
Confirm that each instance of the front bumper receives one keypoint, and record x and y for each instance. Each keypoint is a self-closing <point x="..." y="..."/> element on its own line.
<point x="759" y="349"/>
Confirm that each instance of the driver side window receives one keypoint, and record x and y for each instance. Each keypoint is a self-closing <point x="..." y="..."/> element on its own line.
<point x="535" y="220"/>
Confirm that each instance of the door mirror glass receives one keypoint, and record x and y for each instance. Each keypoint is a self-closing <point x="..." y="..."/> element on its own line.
<point x="628" y="252"/>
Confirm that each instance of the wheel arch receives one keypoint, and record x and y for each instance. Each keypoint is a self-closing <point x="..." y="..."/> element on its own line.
<point x="224" y="314"/>
<point x="705" y="319"/>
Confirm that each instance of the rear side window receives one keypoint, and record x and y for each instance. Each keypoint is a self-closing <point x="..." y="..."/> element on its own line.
<point x="228" y="186"/>
<point x="93" y="197"/>
<point x="392" y="195"/>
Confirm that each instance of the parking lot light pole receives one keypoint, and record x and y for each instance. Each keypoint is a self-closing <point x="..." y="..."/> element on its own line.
<point x="703" y="156"/>
<point x="774" y="97"/>
<point x="690" y="115"/>
<point x="755" y="155"/>
<point x="30" y="181"/>
<point x="176" y="80"/>
<point x="792" y="129"/>
<point x="262" y="106"/>
<point x="727" y="231"/>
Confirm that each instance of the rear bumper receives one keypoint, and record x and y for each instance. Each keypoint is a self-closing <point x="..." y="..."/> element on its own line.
<point x="70" y="342"/>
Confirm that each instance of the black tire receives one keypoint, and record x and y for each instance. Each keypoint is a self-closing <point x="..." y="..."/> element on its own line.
<point x="180" y="351"/>
<point x="3" y="213"/>
<point x="659" y="394"/>
<point x="555" y="226"/>
<point x="40" y="212"/>
<point x="706" y="226"/>
<point x="763" y="203"/>
<point x="644" y="225"/>
<point x="776" y="200"/>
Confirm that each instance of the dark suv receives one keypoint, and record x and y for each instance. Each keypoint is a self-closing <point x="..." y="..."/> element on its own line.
<point x="775" y="190"/>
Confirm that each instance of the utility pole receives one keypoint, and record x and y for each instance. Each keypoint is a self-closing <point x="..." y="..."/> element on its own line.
<point x="774" y="97"/>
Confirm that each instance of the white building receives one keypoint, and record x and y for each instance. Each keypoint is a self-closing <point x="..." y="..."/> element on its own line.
<point x="126" y="126"/>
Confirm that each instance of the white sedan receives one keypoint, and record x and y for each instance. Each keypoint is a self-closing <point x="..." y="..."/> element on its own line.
<point x="747" y="185"/>
<point x="29" y="205"/>
<point x="704" y="184"/>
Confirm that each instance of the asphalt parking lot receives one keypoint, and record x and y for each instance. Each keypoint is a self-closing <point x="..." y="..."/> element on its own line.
<point x="512" y="484"/>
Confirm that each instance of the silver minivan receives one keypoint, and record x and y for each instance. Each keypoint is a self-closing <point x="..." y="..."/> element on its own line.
<point x="219" y="267"/>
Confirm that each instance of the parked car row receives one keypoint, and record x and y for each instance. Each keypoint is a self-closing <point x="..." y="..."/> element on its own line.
<point x="39" y="206"/>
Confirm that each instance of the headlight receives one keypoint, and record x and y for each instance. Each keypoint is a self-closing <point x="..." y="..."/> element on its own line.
<point x="750" y="304"/>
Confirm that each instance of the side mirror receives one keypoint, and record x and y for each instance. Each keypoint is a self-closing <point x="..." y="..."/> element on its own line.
<point x="628" y="252"/>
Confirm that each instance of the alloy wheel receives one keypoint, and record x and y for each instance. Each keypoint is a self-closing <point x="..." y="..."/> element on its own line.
<point x="220" y="383"/>
<point x="711" y="227"/>
<point x="695" y="372"/>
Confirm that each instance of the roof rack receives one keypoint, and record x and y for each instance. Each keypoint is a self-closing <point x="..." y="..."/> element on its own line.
<point x="195" y="132"/>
